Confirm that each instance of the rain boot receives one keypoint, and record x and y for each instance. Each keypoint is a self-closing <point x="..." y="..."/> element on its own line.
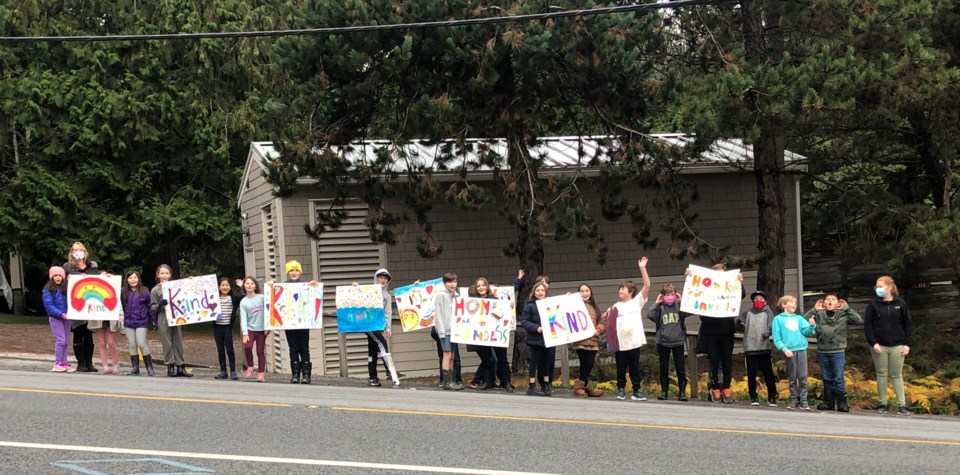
<point x="829" y="401"/>
<point x="171" y="371"/>
<point x="305" y="371"/>
<point x="842" y="402"/>
<point x="80" y="354"/>
<point x="682" y="394"/>
<point x="148" y="362"/>
<point x="546" y="388"/>
<point x="445" y="377"/>
<point x="135" y="363"/>
<point x="578" y="390"/>
<point x="594" y="392"/>
<point x="295" y="372"/>
<point x="182" y="372"/>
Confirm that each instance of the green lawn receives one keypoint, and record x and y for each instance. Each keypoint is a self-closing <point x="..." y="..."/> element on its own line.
<point x="35" y="320"/>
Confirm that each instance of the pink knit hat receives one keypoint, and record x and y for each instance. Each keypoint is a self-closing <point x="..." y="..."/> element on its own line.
<point x="57" y="270"/>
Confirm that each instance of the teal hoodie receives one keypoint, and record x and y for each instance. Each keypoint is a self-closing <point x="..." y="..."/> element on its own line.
<point x="790" y="332"/>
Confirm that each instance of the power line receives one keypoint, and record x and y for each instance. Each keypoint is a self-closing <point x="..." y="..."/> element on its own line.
<point x="367" y="28"/>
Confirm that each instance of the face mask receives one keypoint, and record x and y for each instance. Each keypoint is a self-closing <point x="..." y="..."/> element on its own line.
<point x="759" y="304"/>
<point x="669" y="299"/>
<point x="78" y="255"/>
<point x="881" y="292"/>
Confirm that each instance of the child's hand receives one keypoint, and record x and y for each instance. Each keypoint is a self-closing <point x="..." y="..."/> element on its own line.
<point x="905" y="351"/>
<point x="246" y="339"/>
<point x="313" y="283"/>
<point x="686" y="272"/>
<point x="355" y="284"/>
<point x="877" y="349"/>
<point x="239" y="283"/>
<point x="843" y="303"/>
<point x="818" y="305"/>
<point x="642" y="263"/>
<point x="812" y="321"/>
<point x="659" y="299"/>
<point x="539" y="329"/>
<point x="389" y="333"/>
<point x="788" y="353"/>
<point x="162" y="303"/>
<point x="520" y="274"/>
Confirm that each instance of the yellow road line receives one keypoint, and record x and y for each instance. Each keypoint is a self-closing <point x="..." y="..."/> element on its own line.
<point x="152" y="398"/>
<point x="649" y="426"/>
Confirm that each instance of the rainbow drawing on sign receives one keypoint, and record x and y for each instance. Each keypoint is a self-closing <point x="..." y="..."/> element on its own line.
<point x="96" y="289"/>
<point x="93" y="297"/>
<point x="565" y="320"/>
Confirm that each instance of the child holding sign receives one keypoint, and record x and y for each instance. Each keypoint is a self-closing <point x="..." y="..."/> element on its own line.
<point x="377" y="347"/>
<point x="444" y="321"/>
<point x="587" y="349"/>
<point x="541" y="356"/>
<point x="624" y="329"/>
<point x="171" y="338"/>
<point x="298" y="340"/>
<point x="790" y="332"/>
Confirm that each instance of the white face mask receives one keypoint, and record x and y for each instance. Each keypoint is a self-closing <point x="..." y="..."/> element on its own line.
<point x="79" y="255"/>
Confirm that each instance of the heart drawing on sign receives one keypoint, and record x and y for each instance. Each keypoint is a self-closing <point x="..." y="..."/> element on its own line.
<point x="429" y="289"/>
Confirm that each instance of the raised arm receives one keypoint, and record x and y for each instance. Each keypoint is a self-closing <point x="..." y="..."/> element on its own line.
<point x="645" y="290"/>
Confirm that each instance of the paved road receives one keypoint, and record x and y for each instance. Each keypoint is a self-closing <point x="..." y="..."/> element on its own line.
<point x="62" y="424"/>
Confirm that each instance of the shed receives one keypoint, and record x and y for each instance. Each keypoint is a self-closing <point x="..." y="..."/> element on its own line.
<point x="274" y="233"/>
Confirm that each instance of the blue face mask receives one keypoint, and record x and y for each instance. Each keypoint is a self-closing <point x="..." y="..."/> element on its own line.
<point x="881" y="292"/>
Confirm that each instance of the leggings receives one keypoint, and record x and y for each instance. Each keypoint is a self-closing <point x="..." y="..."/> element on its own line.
<point x="108" y="346"/>
<point x="137" y="338"/>
<point x="679" y="364"/>
<point x="299" y="343"/>
<point x="889" y="363"/>
<point x="223" y="335"/>
<point x="61" y="330"/>
<point x="720" y="354"/>
<point x="260" y="339"/>
<point x="587" y="359"/>
<point x="376" y="349"/>
<point x="541" y="359"/>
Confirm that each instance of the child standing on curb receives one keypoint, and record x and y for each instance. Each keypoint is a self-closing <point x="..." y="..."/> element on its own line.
<point x="756" y="325"/>
<point x="171" y="337"/>
<point x="223" y="328"/>
<point x="789" y="335"/>
<point x="540" y="356"/>
<point x="251" y="326"/>
<point x="831" y="317"/>
<point x="298" y="340"/>
<point x="444" y="320"/>
<point x="889" y="331"/>
<point x="55" y="303"/>
<point x="377" y="346"/>
<point x="671" y="336"/>
<point x="587" y="349"/>
<point x="628" y="360"/>
<point x="137" y="317"/>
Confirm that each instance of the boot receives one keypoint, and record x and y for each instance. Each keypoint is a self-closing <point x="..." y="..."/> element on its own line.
<point x="182" y="372"/>
<point x="485" y="385"/>
<point x="594" y="392"/>
<point x="507" y="387"/>
<point x="305" y="369"/>
<point x="135" y="363"/>
<point x="828" y="402"/>
<point x="454" y="384"/>
<point x="578" y="390"/>
<point x="148" y="362"/>
<point x="682" y="394"/>
<point x="842" y="402"/>
<point x="445" y="377"/>
<point x="171" y="371"/>
<point x="295" y="370"/>
<point x="546" y="388"/>
<point x="89" y="354"/>
<point x="79" y="353"/>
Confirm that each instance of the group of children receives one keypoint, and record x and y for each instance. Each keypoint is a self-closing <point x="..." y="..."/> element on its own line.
<point x="787" y="331"/>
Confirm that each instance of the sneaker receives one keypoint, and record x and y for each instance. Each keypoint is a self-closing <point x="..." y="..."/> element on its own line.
<point x="754" y="402"/>
<point x="882" y="410"/>
<point x="803" y="406"/>
<point x="221" y="375"/>
<point x="772" y="402"/>
<point x="727" y="396"/>
<point x="70" y="368"/>
<point x="621" y="394"/>
<point x="249" y="372"/>
<point x="715" y="395"/>
<point x="902" y="411"/>
<point x="395" y="385"/>
<point x="471" y="385"/>
<point x="790" y="406"/>
<point x="374" y="383"/>
<point x="259" y="377"/>
<point x="59" y="368"/>
<point x="233" y="375"/>
<point x="638" y="396"/>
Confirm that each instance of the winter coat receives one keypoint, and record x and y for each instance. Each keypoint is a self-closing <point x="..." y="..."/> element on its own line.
<point x="757" y="326"/>
<point x="888" y="323"/>
<point x="832" y="328"/>
<point x="592" y="343"/>
<point x="55" y="303"/>
<point x="136" y="309"/>
<point x="530" y="320"/>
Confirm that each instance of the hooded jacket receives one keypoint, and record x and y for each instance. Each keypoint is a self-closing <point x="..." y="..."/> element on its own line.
<point x="670" y="323"/>
<point x="832" y="327"/>
<point x="387" y="301"/>
<point x="790" y="332"/>
<point x="757" y="328"/>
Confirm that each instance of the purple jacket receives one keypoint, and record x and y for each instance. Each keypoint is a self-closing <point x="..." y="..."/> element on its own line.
<point x="136" y="309"/>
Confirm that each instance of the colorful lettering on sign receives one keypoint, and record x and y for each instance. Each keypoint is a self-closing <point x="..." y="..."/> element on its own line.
<point x="96" y="289"/>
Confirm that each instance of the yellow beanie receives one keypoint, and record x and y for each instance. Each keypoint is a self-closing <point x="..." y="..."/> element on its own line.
<point x="294" y="265"/>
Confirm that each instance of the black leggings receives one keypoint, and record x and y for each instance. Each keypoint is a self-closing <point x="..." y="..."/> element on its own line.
<point x="762" y="363"/>
<point x="299" y="343"/>
<point x="678" y="363"/>
<point x="376" y="349"/>
<point x="587" y="359"/>
<point x="541" y="359"/>
<point x="83" y="344"/>
<point x="720" y="354"/>
<point x="223" y="334"/>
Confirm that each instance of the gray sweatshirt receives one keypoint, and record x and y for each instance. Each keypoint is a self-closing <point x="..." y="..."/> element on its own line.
<point x="387" y="300"/>
<point x="756" y="326"/>
<point x="444" y="311"/>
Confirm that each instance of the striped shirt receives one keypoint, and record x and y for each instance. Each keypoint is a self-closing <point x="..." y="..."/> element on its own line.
<point x="226" y="310"/>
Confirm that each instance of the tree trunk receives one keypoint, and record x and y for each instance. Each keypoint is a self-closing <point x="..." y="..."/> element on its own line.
<point x="531" y="261"/>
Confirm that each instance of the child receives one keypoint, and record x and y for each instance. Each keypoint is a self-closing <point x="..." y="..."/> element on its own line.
<point x="444" y="319"/>
<point x="540" y="356"/>
<point x="251" y="326"/>
<point x="789" y="336"/>
<point x="717" y="335"/>
<point x="104" y="330"/>
<point x="587" y="349"/>
<point x="376" y="341"/>
<point x="485" y="376"/>
<point x="831" y="317"/>
<point x="78" y="263"/>
<point x="889" y="331"/>
<point x="671" y="336"/>
<point x="223" y="328"/>
<point x="55" y="303"/>
<point x="298" y="340"/>
<point x="630" y="304"/>
<point x="171" y="338"/>
<point x="137" y="316"/>
<point x="756" y="325"/>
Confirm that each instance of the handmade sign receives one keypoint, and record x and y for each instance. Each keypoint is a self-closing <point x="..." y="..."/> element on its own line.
<point x="415" y="303"/>
<point x="630" y="333"/>
<point x="294" y="306"/>
<point x="564" y="319"/>
<point x="359" y="308"/>
<point x="193" y="300"/>
<point x="711" y="293"/>
<point x="93" y="297"/>
<point x="504" y="293"/>
<point x="481" y="322"/>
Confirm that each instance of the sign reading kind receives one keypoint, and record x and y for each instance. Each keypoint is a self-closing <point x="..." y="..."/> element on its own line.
<point x="93" y="297"/>
<point x="564" y="320"/>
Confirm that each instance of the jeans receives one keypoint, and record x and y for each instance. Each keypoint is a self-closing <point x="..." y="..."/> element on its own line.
<point x="223" y="335"/>
<point x="831" y="370"/>
<point x="889" y="363"/>
<point x="797" y="376"/>
<point x="299" y="343"/>
<point x="456" y="355"/>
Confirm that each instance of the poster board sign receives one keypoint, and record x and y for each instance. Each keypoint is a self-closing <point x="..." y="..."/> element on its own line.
<point x="415" y="304"/>
<point x="294" y="306"/>
<point x="711" y="293"/>
<point x="630" y="331"/>
<point x="359" y="308"/>
<point x="504" y="293"/>
<point x="482" y="322"/>
<point x="193" y="300"/>
<point x="564" y="319"/>
<point x="93" y="297"/>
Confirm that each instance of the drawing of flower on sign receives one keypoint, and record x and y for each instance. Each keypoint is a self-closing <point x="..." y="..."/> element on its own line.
<point x="564" y="319"/>
<point x="93" y="297"/>
<point x="359" y="308"/>
<point x="711" y="293"/>
<point x="192" y="300"/>
<point x="415" y="304"/>
<point x="294" y="306"/>
<point x="481" y="322"/>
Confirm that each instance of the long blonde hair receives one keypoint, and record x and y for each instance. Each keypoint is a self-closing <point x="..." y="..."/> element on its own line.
<point x="86" y="255"/>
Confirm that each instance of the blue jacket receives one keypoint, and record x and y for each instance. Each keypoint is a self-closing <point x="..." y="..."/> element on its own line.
<point x="790" y="332"/>
<point x="55" y="303"/>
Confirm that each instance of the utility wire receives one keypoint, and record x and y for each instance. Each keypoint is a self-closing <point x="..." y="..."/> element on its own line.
<point x="367" y="28"/>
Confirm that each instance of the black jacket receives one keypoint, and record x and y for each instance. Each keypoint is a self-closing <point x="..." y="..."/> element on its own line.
<point x="530" y="320"/>
<point x="888" y="323"/>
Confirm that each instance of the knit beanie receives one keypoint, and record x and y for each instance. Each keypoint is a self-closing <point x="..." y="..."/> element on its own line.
<point x="57" y="270"/>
